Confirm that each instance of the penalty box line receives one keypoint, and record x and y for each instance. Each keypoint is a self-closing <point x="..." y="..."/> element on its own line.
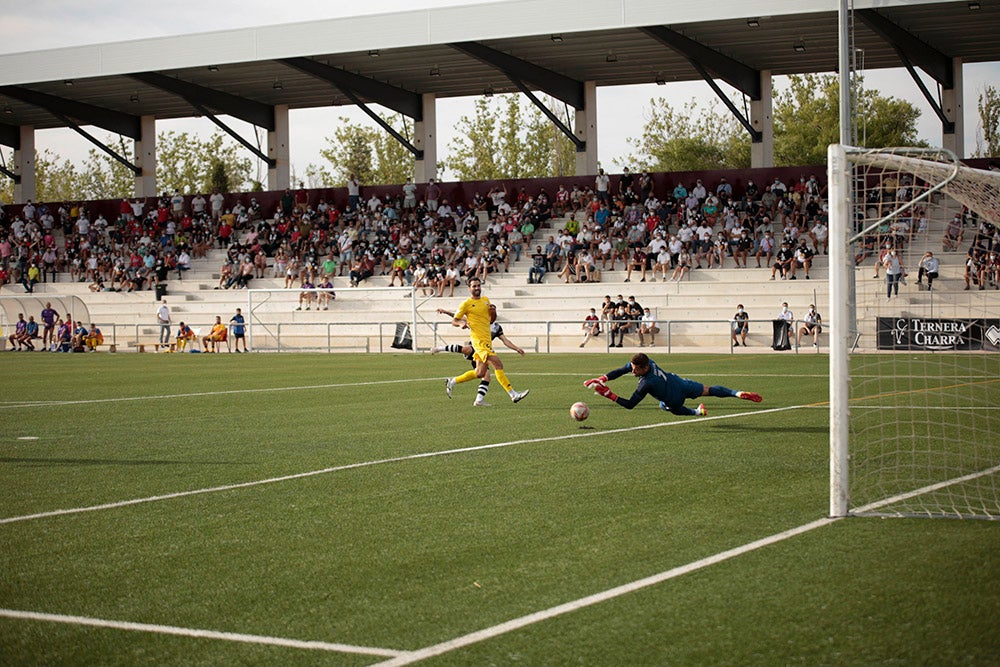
<point x="367" y="464"/>
<point x="198" y="633"/>
<point x="597" y="598"/>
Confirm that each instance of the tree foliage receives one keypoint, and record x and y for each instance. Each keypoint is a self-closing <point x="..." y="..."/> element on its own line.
<point x="369" y="152"/>
<point x="188" y="164"/>
<point x="988" y="132"/>
<point x="689" y="139"/>
<point x="503" y="140"/>
<point x="807" y="119"/>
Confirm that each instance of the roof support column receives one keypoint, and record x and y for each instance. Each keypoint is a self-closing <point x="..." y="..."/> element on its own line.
<point x="279" y="176"/>
<point x="24" y="166"/>
<point x="954" y="110"/>
<point x="145" y="157"/>
<point x="425" y="139"/>
<point x="586" y="130"/>
<point x="762" y="120"/>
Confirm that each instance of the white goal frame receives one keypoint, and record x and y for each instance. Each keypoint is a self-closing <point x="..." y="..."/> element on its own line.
<point x="941" y="172"/>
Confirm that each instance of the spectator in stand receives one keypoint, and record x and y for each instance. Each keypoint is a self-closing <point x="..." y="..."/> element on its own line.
<point x="591" y="326"/>
<point x="637" y="262"/>
<point x="803" y="259"/>
<point x="927" y="266"/>
<point x="744" y="245"/>
<point x="661" y="264"/>
<point x="307" y="295"/>
<point x="353" y="191"/>
<point x="952" y="238"/>
<point x="585" y="267"/>
<point x="602" y="186"/>
<point x="811" y="326"/>
<point x="363" y="269"/>
<point x="683" y="265"/>
<point x="819" y="234"/>
<point x="647" y="326"/>
<point x="568" y="270"/>
<point x="432" y="195"/>
<point x="400" y="266"/>
<point x="893" y="273"/>
<point x="621" y="325"/>
<point x="783" y="261"/>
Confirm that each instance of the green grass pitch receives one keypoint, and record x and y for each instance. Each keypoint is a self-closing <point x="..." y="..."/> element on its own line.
<point x="399" y="543"/>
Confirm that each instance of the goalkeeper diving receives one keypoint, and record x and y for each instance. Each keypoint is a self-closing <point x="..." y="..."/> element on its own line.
<point x="671" y="390"/>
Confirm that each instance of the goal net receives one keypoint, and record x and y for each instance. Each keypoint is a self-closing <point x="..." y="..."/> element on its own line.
<point x="915" y="349"/>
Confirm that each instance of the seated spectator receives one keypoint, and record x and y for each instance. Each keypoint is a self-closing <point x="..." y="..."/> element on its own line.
<point x="927" y="266"/>
<point x="952" y="238"/>
<point x="765" y="249"/>
<point x="661" y="264"/>
<point x="647" y="326"/>
<point x="362" y="269"/>
<point x="683" y="266"/>
<point x="637" y="262"/>
<point x="538" y="264"/>
<point x="585" y="267"/>
<point x="218" y="334"/>
<point x="820" y="236"/>
<point x="568" y="271"/>
<point x="327" y="294"/>
<point x="811" y="325"/>
<point x="591" y="326"/>
<point x="803" y="259"/>
<point x="783" y="261"/>
<point x="399" y="269"/>
<point x="307" y="296"/>
<point x="450" y="279"/>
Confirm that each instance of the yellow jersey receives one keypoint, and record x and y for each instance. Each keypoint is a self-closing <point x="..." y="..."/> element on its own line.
<point x="477" y="314"/>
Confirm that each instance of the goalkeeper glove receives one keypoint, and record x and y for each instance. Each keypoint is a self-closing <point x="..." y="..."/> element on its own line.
<point x="605" y="391"/>
<point x="601" y="380"/>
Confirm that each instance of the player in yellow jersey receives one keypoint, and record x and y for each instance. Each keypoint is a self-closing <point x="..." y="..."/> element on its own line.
<point x="474" y="315"/>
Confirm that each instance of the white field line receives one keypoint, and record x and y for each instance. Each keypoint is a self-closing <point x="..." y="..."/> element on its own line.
<point x="565" y="608"/>
<point x="8" y="405"/>
<point x="366" y="464"/>
<point x="201" y="634"/>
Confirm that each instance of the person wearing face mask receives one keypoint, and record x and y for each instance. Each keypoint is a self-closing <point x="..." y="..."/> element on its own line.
<point x="811" y="325"/>
<point x="893" y="273"/>
<point x="741" y="326"/>
<point x="782" y="323"/>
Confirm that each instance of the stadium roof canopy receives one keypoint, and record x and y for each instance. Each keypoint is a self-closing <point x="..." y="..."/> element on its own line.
<point x="541" y="45"/>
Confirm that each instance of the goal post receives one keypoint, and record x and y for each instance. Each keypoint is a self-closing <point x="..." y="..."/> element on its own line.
<point x="914" y="371"/>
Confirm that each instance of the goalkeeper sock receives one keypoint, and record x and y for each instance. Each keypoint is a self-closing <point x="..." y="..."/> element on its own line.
<point x="467" y="376"/>
<point x="721" y="392"/>
<point x="502" y="379"/>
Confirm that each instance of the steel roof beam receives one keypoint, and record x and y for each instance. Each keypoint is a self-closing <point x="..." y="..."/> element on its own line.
<point x="10" y="135"/>
<point x="107" y="119"/>
<point x="399" y="100"/>
<point x="909" y="47"/>
<point x="557" y="85"/>
<point x="251" y="111"/>
<point x="740" y="76"/>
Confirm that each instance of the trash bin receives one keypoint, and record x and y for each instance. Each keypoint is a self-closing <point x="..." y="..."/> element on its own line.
<point x="161" y="290"/>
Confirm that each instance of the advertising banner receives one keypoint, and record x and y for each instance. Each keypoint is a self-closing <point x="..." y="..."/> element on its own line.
<point x="938" y="334"/>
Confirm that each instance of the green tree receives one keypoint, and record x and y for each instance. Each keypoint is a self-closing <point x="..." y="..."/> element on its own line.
<point x="103" y="177"/>
<point x="367" y="151"/>
<point x="6" y="183"/>
<point x="988" y="132"/>
<point x="503" y="140"/>
<point x="56" y="179"/>
<point x="186" y="163"/>
<point x="807" y="119"/>
<point x="688" y="139"/>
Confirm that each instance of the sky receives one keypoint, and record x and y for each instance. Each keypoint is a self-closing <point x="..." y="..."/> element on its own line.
<point x="622" y="110"/>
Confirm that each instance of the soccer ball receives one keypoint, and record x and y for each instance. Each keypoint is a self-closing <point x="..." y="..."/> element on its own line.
<point x="579" y="411"/>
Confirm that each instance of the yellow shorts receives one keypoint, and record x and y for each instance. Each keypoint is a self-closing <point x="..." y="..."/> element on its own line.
<point x="481" y="351"/>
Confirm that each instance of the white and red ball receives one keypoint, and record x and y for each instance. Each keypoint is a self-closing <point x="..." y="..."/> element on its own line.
<point x="579" y="411"/>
